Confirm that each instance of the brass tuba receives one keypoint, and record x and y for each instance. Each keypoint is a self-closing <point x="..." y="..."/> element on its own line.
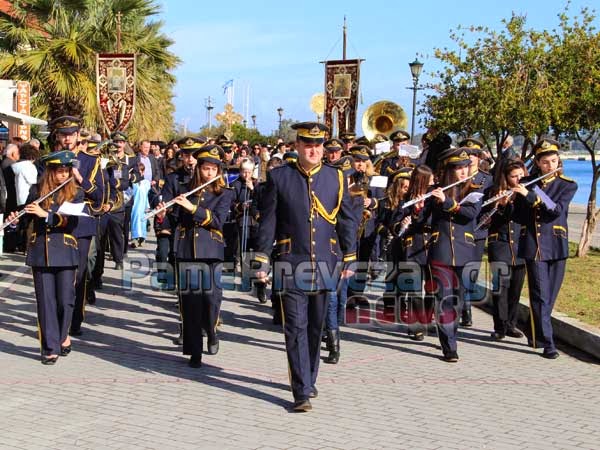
<point x="383" y="117"/>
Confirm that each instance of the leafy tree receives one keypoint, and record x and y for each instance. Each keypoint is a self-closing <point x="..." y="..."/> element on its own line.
<point x="525" y="82"/>
<point x="574" y="66"/>
<point x="52" y="44"/>
<point x="495" y="86"/>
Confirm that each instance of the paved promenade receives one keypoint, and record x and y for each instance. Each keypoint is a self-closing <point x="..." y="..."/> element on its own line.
<point x="127" y="386"/>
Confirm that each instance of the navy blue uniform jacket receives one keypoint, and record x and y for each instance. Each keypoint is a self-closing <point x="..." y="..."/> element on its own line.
<point x="199" y="236"/>
<point x="52" y="242"/>
<point x="452" y="241"/>
<point x="308" y="215"/>
<point x="547" y="233"/>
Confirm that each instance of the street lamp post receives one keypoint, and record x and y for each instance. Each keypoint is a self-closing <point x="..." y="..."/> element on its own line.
<point x="280" y="112"/>
<point x="253" y="117"/>
<point x="415" y="69"/>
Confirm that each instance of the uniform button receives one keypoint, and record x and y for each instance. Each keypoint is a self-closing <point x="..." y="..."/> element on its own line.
<point x="539" y="234"/>
<point x="314" y="256"/>
<point x="512" y="231"/>
<point x="314" y="243"/>
<point x="201" y="199"/>
<point x="512" y="242"/>
<point x="48" y="239"/>
<point x="310" y="180"/>
<point x="197" y="235"/>
<point x="452" y="238"/>
<point x="314" y="230"/>
<point x="453" y="228"/>
<point x="313" y="192"/>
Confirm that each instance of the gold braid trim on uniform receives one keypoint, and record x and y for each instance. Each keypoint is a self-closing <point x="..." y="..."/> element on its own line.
<point x="320" y="209"/>
<point x="91" y="180"/>
<point x="208" y="218"/>
<point x="454" y="207"/>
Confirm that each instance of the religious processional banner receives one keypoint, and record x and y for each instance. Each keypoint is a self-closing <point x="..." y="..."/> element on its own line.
<point x="341" y="95"/>
<point x="115" y="87"/>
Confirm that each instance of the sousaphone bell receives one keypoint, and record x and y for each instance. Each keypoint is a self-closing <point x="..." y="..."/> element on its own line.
<point x="383" y="117"/>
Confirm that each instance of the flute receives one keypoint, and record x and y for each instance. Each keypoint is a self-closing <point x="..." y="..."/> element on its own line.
<point x="429" y="194"/>
<point x="172" y="202"/>
<point x="485" y="218"/>
<point x="510" y="191"/>
<point x="39" y="200"/>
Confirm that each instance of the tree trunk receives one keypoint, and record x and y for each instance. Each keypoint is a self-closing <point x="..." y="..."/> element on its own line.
<point x="591" y="217"/>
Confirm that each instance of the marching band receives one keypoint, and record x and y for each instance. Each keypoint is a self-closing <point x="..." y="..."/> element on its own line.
<point x="315" y="224"/>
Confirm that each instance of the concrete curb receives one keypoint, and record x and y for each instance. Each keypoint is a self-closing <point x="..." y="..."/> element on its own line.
<point x="571" y="331"/>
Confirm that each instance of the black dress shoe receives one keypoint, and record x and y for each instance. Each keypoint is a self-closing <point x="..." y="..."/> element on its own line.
<point x="514" y="333"/>
<point x="195" y="361"/>
<point x="178" y="340"/>
<point x="119" y="266"/>
<point x="302" y="406"/>
<point x="466" y="322"/>
<point x="314" y="393"/>
<point x="451" y="357"/>
<point x="277" y="320"/>
<point x="417" y="336"/>
<point x="213" y="348"/>
<point x="261" y="294"/>
<point x="553" y="354"/>
<point x="49" y="361"/>
<point x="497" y="336"/>
<point x="64" y="351"/>
<point x="76" y="332"/>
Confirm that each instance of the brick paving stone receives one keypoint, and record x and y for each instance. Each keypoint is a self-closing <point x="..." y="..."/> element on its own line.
<point x="127" y="386"/>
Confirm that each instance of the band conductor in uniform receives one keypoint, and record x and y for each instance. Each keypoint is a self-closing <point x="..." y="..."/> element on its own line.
<point x="307" y="211"/>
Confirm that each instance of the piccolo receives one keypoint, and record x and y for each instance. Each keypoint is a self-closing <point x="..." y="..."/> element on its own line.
<point x="38" y="201"/>
<point x="170" y="203"/>
<point x="429" y="194"/>
<point x="510" y="191"/>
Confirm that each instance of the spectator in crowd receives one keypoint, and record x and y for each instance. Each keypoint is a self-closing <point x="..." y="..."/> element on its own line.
<point x="25" y="172"/>
<point x="11" y="156"/>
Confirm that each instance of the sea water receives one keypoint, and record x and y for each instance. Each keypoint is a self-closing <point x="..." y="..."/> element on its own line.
<point x="581" y="172"/>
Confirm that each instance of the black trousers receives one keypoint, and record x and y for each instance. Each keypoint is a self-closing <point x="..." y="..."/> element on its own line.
<point x="544" y="279"/>
<point x="303" y="320"/>
<point x="358" y="283"/>
<point x="101" y="241"/>
<point x="55" y="298"/>
<point x="116" y="235"/>
<point x="230" y="235"/>
<point x="448" y="288"/>
<point x="110" y="230"/>
<point x="164" y="252"/>
<point x="200" y="294"/>
<point x="81" y="283"/>
<point x="417" y="304"/>
<point x="126" y="227"/>
<point x="505" y="297"/>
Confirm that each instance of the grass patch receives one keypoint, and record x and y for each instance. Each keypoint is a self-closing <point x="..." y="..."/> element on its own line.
<point x="579" y="296"/>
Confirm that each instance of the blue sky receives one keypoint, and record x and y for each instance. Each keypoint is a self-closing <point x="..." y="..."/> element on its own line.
<point x="274" y="47"/>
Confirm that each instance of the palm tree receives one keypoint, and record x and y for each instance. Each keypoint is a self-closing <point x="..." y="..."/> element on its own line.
<point x="53" y="43"/>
